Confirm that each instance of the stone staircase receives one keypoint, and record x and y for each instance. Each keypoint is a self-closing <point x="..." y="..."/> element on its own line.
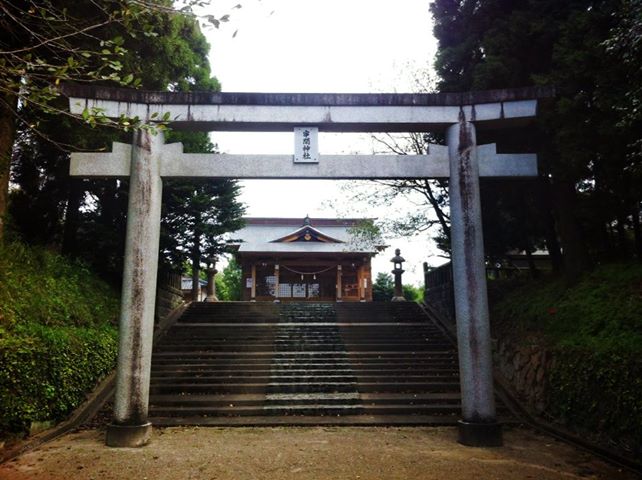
<point x="236" y="363"/>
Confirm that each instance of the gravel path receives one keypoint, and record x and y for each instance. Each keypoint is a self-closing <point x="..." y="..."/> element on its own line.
<point x="307" y="453"/>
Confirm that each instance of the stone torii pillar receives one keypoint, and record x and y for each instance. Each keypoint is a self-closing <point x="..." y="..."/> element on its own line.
<point x="130" y="427"/>
<point x="479" y="426"/>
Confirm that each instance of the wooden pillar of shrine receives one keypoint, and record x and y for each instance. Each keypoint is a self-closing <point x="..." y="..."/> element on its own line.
<point x="253" y="288"/>
<point x="276" y="283"/>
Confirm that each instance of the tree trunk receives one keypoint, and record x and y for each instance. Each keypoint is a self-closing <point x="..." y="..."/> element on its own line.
<point x="552" y="243"/>
<point x="531" y="264"/>
<point x="196" y="267"/>
<point x="576" y="259"/>
<point x="637" y="231"/>
<point x="622" y="244"/>
<point x="445" y="225"/>
<point x="7" y="136"/>
<point x="196" y="283"/>
<point x="605" y="238"/>
<point x="72" y="216"/>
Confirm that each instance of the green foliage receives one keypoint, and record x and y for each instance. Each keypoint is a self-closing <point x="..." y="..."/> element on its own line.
<point x="228" y="284"/>
<point x="413" y="293"/>
<point x="365" y="235"/>
<point x="43" y="287"/>
<point x="57" y="334"/>
<point x="598" y="391"/>
<point x="47" y="370"/>
<point x="157" y="48"/>
<point x="602" y="312"/>
<point x="383" y="289"/>
<point x="587" y="138"/>
<point x="594" y="334"/>
<point x="196" y="217"/>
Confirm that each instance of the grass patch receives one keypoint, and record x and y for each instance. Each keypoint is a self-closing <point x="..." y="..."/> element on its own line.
<point x="602" y="312"/>
<point x="42" y="287"/>
<point x="593" y="332"/>
<point x="58" y="335"/>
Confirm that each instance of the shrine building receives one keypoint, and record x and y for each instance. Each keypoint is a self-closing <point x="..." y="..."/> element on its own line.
<point x="288" y="259"/>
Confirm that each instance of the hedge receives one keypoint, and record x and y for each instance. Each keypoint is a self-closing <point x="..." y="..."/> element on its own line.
<point x="58" y="335"/>
<point x="598" y="392"/>
<point x="47" y="371"/>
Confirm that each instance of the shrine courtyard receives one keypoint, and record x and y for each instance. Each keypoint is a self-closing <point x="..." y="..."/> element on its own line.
<point x="308" y="453"/>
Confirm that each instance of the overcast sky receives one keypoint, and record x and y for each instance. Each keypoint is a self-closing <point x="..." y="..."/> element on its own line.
<point x="339" y="46"/>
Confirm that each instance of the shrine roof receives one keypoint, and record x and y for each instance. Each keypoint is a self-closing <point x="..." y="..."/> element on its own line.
<point x="297" y="222"/>
<point x="303" y="247"/>
<point x="277" y="235"/>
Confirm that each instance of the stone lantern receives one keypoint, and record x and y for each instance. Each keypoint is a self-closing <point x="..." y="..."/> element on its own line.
<point x="211" y="284"/>
<point x="398" y="260"/>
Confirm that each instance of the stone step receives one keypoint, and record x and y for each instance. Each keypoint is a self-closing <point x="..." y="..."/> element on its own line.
<point x="304" y="399"/>
<point x="311" y="409"/>
<point x="302" y="379"/>
<point x="301" y="420"/>
<point x="175" y="371"/>
<point x="390" y="354"/>
<point x="367" y="387"/>
<point x="318" y="348"/>
<point x="423" y="339"/>
<point x="305" y="364"/>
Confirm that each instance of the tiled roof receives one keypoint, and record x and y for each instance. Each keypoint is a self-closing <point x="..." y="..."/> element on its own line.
<point x="262" y="235"/>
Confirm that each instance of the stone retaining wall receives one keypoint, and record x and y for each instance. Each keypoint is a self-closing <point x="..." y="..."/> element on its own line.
<point x="168" y="295"/>
<point x="526" y="366"/>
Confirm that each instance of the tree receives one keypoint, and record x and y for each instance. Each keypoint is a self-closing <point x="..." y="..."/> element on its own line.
<point x="197" y="213"/>
<point x="581" y="137"/>
<point x="425" y="201"/>
<point x="412" y="293"/>
<point x="196" y="217"/>
<point x="45" y="42"/>
<point x="428" y="197"/>
<point x="383" y="288"/>
<point x="228" y="283"/>
<point x="51" y="207"/>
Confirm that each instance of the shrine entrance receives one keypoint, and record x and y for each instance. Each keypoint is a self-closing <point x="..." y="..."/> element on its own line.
<point x="296" y="283"/>
<point x="299" y="280"/>
<point x="148" y="160"/>
<point x="286" y="259"/>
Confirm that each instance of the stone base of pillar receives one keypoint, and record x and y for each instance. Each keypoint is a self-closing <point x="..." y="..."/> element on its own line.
<point x="128" y="435"/>
<point x="474" y="434"/>
<point x="398" y="299"/>
<point x="211" y="299"/>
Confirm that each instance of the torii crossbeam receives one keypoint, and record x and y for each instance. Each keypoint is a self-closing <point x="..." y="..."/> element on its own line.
<point x="148" y="160"/>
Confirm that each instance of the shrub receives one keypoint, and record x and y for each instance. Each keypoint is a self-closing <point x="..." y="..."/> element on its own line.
<point x="49" y="289"/>
<point x="598" y="391"/>
<point x="46" y="371"/>
<point x="57" y="335"/>
<point x="593" y="331"/>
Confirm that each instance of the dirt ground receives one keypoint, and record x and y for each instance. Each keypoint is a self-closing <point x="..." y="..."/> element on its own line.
<point x="307" y="453"/>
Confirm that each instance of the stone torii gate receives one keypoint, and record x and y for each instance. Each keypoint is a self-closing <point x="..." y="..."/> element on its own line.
<point x="148" y="160"/>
